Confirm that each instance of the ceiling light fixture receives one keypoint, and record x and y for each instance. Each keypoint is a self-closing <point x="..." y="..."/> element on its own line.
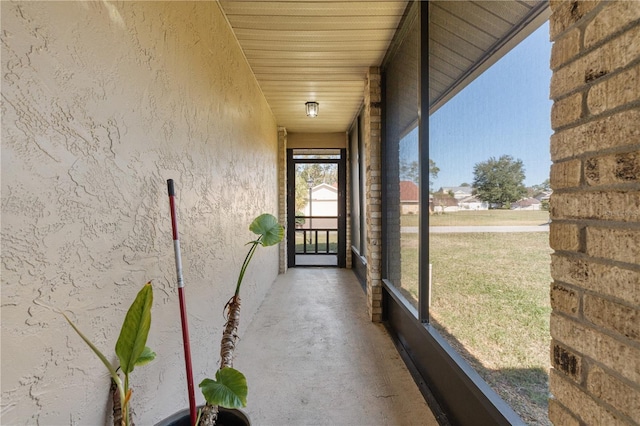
<point x="312" y="109"/>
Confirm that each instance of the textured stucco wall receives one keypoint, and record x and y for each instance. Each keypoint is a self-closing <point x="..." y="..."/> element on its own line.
<point x="101" y="103"/>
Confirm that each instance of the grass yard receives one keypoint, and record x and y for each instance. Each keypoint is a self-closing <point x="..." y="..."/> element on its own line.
<point x="490" y="299"/>
<point x="482" y="218"/>
<point x="322" y="242"/>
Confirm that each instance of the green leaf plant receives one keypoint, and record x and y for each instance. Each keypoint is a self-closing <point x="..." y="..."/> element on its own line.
<point x="130" y="349"/>
<point x="229" y="389"/>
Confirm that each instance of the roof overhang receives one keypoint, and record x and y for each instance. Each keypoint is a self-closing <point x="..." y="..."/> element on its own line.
<point x="466" y="38"/>
<point x="320" y="51"/>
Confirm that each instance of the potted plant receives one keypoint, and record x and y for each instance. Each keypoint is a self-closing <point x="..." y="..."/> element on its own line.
<point x="228" y="391"/>
<point x="130" y="348"/>
<point x="224" y="394"/>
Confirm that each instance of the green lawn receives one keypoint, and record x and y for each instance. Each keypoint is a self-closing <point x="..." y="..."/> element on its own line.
<point x="482" y="218"/>
<point x="490" y="299"/>
<point x="322" y="242"/>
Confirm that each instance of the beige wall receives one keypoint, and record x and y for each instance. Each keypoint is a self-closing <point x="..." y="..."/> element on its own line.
<point x="595" y="208"/>
<point x="317" y="140"/>
<point x="101" y="103"/>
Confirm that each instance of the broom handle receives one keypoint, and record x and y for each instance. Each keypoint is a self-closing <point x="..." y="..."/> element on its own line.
<point x="183" y="305"/>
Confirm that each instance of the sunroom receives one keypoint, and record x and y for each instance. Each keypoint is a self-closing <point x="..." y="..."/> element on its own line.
<point x="244" y="104"/>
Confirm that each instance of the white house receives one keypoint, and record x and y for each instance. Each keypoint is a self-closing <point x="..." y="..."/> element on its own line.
<point x="526" y="204"/>
<point x="324" y="202"/>
<point x="473" y="203"/>
<point x="544" y="196"/>
<point x="459" y="192"/>
<point x="443" y="203"/>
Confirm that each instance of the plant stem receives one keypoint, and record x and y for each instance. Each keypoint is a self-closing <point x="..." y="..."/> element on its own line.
<point x="230" y="334"/>
<point x="125" y="402"/>
<point x="247" y="259"/>
<point x="209" y="415"/>
<point x="118" y="419"/>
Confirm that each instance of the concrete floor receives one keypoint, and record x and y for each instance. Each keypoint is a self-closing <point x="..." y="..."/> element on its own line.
<point x="316" y="260"/>
<point x="312" y="357"/>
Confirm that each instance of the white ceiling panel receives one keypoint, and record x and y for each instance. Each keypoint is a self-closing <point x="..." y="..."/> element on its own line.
<point x="320" y="50"/>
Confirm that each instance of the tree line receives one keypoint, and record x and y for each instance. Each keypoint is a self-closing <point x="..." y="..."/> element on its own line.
<point x="497" y="181"/>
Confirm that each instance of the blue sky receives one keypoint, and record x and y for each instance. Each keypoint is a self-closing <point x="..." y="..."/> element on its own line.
<point x="504" y="111"/>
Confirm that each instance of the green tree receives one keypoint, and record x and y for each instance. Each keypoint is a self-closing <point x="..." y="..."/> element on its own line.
<point x="544" y="186"/>
<point x="433" y="172"/>
<point x="302" y="194"/>
<point x="499" y="181"/>
<point x="411" y="171"/>
<point x="535" y="190"/>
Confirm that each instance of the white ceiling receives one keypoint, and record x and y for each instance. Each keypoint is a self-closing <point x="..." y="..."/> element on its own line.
<point x="320" y="50"/>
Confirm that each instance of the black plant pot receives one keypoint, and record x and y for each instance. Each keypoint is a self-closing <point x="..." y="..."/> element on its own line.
<point x="226" y="417"/>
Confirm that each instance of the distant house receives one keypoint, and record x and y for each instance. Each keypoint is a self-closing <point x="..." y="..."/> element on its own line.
<point x="543" y="196"/>
<point x="526" y="204"/>
<point x="473" y="203"/>
<point x="409" y="197"/>
<point x="443" y="202"/>
<point x="324" y="202"/>
<point x="459" y="192"/>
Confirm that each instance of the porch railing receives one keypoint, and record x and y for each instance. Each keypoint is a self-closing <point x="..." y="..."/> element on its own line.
<point x="317" y="235"/>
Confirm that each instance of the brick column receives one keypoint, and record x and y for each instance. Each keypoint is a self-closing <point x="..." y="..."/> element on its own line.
<point x="595" y="209"/>
<point x="373" y="194"/>
<point x="282" y="194"/>
<point x="349" y="261"/>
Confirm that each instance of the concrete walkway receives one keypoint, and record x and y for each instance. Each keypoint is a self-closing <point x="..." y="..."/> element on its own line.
<point x="312" y="357"/>
<point x="461" y="229"/>
<point x="458" y="229"/>
<point x="316" y="260"/>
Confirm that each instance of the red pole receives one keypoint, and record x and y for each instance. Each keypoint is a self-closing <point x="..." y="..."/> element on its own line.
<point x="183" y="305"/>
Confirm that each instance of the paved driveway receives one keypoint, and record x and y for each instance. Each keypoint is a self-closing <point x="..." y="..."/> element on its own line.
<point x="460" y="229"/>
